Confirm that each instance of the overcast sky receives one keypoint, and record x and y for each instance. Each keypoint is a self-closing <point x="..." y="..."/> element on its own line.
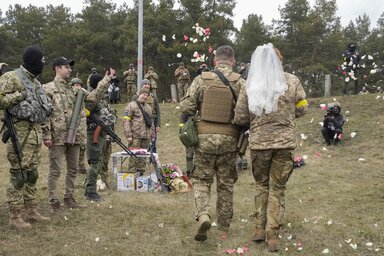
<point x="347" y="9"/>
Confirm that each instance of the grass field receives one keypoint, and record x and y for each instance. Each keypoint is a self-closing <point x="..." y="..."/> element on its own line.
<point x="334" y="204"/>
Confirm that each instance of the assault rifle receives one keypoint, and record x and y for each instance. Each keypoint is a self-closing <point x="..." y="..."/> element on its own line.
<point x="11" y="133"/>
<point x="101" y="126"/>
<point x="157" y="169"/>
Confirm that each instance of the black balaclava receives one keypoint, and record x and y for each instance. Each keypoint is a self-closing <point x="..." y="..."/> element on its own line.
<point x="94" y="80"/>
<point x="33" y="59"/>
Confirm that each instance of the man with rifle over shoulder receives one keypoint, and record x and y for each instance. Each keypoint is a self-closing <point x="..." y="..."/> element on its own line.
<point x="25" y="106"/>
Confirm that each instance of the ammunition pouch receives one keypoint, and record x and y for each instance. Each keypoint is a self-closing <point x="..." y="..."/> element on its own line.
<point x="188" y="133"/>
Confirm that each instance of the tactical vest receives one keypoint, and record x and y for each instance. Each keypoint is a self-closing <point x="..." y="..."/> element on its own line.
<point x="36" y="107"/>
<point x="217" y="108"/>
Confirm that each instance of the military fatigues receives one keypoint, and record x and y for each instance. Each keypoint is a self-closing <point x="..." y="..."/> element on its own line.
<point x="97" y="146"/>
<point x="135" y="128"/>
<point x="130" y="82"/>
<point x="153" y="102"/>
<point x="183" y="77"/>
<point x="152" y="76"/>
<point x="215" y="153"/>
<point x="24" y="174"/>
<point x="63" y="98"/>
<point x="272" y="140"/>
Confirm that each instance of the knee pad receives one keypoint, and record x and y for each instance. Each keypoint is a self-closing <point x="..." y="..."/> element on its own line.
<point x="32" y="176"/>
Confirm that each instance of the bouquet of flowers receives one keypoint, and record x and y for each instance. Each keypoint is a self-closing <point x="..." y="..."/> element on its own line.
<point x="174" y="179"/>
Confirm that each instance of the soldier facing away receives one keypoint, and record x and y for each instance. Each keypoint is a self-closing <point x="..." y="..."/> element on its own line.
<point x="270" y="102"/>
<point x="215" y="152"/>
<point x="24" y="99"/>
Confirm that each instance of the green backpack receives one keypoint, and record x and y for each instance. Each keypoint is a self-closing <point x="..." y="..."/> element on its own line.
<point x="188" y="133"/>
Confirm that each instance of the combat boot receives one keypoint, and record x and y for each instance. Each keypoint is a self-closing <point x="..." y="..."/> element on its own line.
<point x="259" y="235"/>
<point x="202" y="228"/>
<point x="273" y="245"/>
<point x="15" y="219"/>
<point x="70" y="203"/>
<point x="33" y="214"/>
<point x="56" y="209"/>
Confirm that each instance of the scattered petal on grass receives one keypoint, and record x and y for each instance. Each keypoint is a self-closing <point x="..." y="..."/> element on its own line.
<point x="318" y="154"/>
<point x="324" y="149"/>
<point x="321" y="124"/>
<point x="244" y="220"/>
<point x="347" y="112"/>
<point x="240" y="250"/>
<point x="323" y="106"/>
<point x="65" y="217"/>
<point x="330" y="222"/>
<point x="286" y="249"/>
<point x="214" y="224"/>
<point x="305" y="220"/>
<point x="300" y="201"/>
<point x="164" y="38"/>
<point x="161" y="225"/>
<point x="105" y="248"/>
<point x="334" y="99"/>
<point x="378" y="97"/>
<point x="229" y="251"/>
<point x="65" y="245"/>
<point x="348" y="240"/>
<point x="325" y="251"/>
<point x="126" y="233"/>
<point x="354" y="246"/>
<point x="289" y="224"/>
<point x="377" y="249"/>
<point x="305" y="157"/>
<point x="312" y="120"/>
<point x="167" y="124"/>
<point x="174" y="37"/>
<point x="361" y="159"/>
<point x="340" y="245"/>
<point x="177" y="107"/>
<point x="97" y="239"/>
<point x="353" y="134"/>
<point x="179" y="55"/>
<point x="369" y="244"/>
<point x="376" y="225"/>
<point x="110" y="207"/>
<point x="303" y="136"/>
<point x="289" y="237"/>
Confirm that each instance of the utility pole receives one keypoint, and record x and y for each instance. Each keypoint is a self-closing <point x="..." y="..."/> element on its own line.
<point x="140" y="46"/>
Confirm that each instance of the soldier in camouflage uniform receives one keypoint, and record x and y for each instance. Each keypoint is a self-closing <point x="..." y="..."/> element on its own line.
<point x="96" y="137"/>
<point x="215" y="153"/>
<point x="78" y="84"/>
<point x="272" y="135"/>
<point x="137" y="130"/>
<point x="22" y="95"/>
<point x="152" y="76"/>
<point x="130" y="80"/>
<point x="154" y="103"/>
<point x="183" y="77"/>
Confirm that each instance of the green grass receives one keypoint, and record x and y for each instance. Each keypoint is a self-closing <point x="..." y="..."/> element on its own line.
<point x="333" y="198"/>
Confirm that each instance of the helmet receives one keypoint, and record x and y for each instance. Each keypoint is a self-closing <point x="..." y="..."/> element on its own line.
<point x="94" y="70"/>
<point x="181" y="64"/>
<point x="76" y="80"/>
<point x="131" y="65"/>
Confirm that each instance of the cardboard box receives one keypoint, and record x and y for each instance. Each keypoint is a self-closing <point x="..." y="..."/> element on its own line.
<point x="121" y="162"/>
<point x="143" y="183"/>
<point x="126" y="181"/>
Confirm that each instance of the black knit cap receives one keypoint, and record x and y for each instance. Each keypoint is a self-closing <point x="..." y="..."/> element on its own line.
<point x="33" y="59"/>
<point x="94" y="80"/>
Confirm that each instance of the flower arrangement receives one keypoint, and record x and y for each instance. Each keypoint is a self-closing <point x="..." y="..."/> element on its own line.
<point x="170" y="172"/>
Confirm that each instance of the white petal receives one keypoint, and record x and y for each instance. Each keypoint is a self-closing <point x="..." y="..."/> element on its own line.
<point x="348" y="240"/>
<point x="369" y="244"/>
<point x="334" y="99"/>
<point x="174" y="37"/>
<point x="324" y="149"/>
<point x="363" y="57"/>
<point x="305" y="157"/>
<point x="214" y="224"/>
<point x="303" y="136"/>
<point x="161" y="225"/>
<point x="370" y="57"/>
<point x="126" y="233"/>
<point x="325" y="251"/>
<point x="179" y="55"/>
<point x="347" y="79"/>
<point x="330" y="222"/>
<point x="65" y="217"/>
<point x="167" y="124"/>
<point x="373" y="71"/>
<point x="347" y="112"/>
<point x="177" y="107"/>
<point x="361" y="159"/>
<point x="97" y="239"/>
<point x="312" y="120"/>
<point x="354" y="246"/>
<point x="353" y="134"/>
<point x="164" y="38"/>
<point x="321" y="124"/>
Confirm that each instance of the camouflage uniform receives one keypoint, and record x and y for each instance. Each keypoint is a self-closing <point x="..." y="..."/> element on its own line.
<point x="215" y="154"/>
<point x="55" y="129"/>
<point x="23" y="178"/>
<point x="272" y="140"/>
<point x="135" y="128"/>
<point x="130" y="82"/>
<point x="152" y="76"/>
<point x="183" y="77"/>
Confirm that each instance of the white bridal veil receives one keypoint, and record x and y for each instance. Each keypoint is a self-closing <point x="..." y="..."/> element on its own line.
<point x="266" y="80"/>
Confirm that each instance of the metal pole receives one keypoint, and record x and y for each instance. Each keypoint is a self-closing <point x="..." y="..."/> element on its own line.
<point x="140" y="46"/>
<point x="327" y="86"/>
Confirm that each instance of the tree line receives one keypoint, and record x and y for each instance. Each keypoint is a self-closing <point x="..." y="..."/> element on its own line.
<point x="102" y="35"/>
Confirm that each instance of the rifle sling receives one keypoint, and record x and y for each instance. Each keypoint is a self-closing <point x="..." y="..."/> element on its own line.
<point x="226" y="82"/>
